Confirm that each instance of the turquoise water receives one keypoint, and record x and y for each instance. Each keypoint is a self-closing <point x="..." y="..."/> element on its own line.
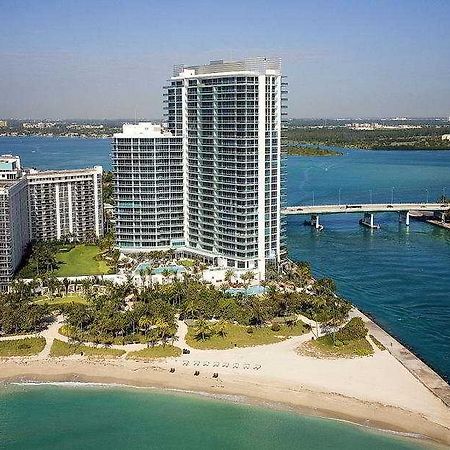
<point x="400" y="276"/>
<point x="50" y="417"/>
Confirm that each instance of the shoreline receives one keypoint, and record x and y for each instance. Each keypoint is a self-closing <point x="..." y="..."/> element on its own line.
<point x="372" y="427"/>
<point x="249" y="388"/>
<point x="300" y="143"/>
<point x="392" y="390"/>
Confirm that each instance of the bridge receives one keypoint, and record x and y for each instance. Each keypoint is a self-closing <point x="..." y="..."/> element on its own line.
<point x="367" y="209"/>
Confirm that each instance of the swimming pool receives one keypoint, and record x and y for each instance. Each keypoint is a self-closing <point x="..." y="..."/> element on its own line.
<point x="160" y="270"/>
<point x="251" y="290"/>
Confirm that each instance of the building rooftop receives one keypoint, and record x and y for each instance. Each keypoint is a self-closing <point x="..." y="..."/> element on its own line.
<point x="33" y="173"/>
<point x="259" y="65"/>
<point x="142" y="129"/>
<point x="9" y="162"/>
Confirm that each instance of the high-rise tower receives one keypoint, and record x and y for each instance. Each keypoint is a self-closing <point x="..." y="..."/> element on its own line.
<point x="228" y="118"/>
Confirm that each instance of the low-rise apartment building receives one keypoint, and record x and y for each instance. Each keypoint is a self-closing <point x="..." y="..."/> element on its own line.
<point x="65" y="203"/>
<point x="45" y="205"/>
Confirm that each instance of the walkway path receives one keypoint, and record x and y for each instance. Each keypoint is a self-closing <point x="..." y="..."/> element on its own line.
<point x="181" y="334"/>
<point x="50" y="334"/>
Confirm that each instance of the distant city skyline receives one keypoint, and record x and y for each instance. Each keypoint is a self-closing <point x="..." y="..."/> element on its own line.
<point x="109" y="60"/>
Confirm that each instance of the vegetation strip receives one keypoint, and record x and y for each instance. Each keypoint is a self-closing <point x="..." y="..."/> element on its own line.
<point x="22" y="347"/>
<point x="222" y="335"/>
<point x="159" y="351"/>
<point x="61" y="348"/>
<point x="349" y="341"/>
<point x="299" y="150"/>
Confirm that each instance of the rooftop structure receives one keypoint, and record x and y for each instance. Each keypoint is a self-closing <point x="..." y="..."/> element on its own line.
<point x="142" y="130"/>
<point x="10" y="168"/>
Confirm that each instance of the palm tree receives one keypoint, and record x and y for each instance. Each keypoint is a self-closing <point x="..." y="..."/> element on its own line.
<point x="149" y="274"/>
<point x="247" y="278"/>
<point x="87" y="287"/>
<point x="144" y="323"/>
<point x="66" y="284"/>
<point x="142" y="273"/>
<point x="163" y="329"/>
<point x="190" y="309"/>
<point x="229" y="274"/>
<point x="337" y="316"/>
<point x="53" y="285"/>
<point x="166" y="273"/>
<point x="202" y="329"/>
<point x="91" y="237"/>
<point x="221" y="328"/>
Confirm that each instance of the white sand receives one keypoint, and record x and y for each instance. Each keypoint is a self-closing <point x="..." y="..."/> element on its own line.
<point x="375" y="390"/>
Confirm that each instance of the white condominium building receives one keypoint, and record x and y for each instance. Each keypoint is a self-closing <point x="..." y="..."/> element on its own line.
<point x="148" y="172"/>
<point x="227" y="117"/>
<point x="65" y="203"/>
<point x="14" y="227"/>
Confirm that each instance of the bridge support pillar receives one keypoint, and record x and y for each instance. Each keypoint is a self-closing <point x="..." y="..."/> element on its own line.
<point x="404" y="217"/>
<point x="315" y="222"/>
<point x="368" y="221"/>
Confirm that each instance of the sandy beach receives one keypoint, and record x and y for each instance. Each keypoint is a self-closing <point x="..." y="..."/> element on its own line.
<point x="376" y="391"/>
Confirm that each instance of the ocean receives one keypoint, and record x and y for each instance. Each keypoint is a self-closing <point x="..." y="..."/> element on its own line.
<point x="88" y="417"/>
<point x="400" y="276"/>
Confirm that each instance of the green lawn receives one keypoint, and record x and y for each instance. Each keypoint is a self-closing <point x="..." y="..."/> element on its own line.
<point x="324" y="347"/>
<point x="81" y="261"/>
<point x="66" y="300"/>
<point x="22" y="347"/>
<point x="238" y="336"/>
<point x="187" y="262"/>
<point x="158" y="351"/>
<point x="60" y="348"/>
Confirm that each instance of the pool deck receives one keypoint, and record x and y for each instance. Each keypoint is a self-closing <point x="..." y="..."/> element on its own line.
<point x="427" y="376"/>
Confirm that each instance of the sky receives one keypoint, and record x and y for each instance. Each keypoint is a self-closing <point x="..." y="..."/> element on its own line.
<point x="110" y="59"/>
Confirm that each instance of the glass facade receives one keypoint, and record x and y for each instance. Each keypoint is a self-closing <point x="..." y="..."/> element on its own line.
<point x="148" y="191"/>
<point x="229" y="115"/>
